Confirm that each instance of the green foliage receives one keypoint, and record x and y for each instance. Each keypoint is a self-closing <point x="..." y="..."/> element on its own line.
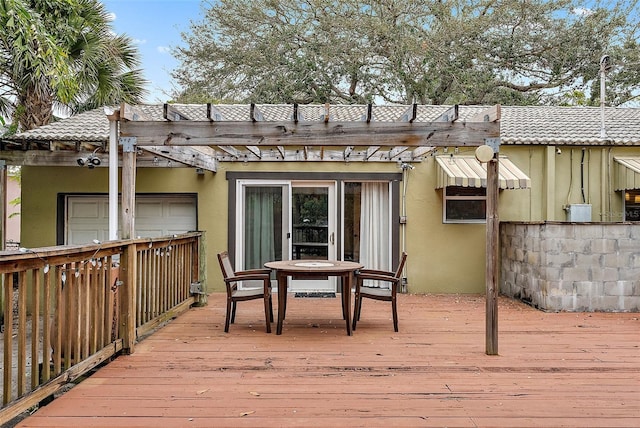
<point x="403" y="51"/>
<point x="62" y="52"/>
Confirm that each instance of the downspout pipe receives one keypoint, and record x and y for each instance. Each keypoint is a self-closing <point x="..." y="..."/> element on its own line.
<point x="584" y="200"/>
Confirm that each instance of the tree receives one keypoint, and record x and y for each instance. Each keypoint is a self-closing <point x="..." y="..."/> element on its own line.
<point x="62" y="53"/>
<point x="404" y="51"/>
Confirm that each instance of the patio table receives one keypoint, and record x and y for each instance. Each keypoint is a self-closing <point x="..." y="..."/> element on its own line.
<point x="309" y="269"/>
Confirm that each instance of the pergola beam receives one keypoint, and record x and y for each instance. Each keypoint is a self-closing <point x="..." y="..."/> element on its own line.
<point x="337" y="134"/>
<point x="189" y="156"/>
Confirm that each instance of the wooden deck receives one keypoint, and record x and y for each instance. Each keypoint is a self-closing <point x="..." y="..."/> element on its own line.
<point x="554" y="370"/>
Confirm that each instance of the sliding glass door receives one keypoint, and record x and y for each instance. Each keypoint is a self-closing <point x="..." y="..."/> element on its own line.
<point x="302" y="220"/>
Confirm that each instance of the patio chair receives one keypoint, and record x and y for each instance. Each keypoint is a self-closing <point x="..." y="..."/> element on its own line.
<point x="235" y="294"/>
<point x="376" y="291"/>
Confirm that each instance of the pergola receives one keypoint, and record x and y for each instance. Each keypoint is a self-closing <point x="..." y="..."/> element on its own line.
<point x="201" y="137"/>
<point x="255" y="138"/>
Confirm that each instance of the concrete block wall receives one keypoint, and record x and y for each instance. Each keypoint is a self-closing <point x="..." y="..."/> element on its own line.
<point x="579" y="267"/>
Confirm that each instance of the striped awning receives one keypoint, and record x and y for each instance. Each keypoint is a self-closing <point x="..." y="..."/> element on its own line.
<point x="626" y="173"/>
<point x="466" y="171"/>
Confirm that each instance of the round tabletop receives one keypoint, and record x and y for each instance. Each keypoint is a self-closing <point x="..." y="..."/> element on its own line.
<point x="323" y="266"/>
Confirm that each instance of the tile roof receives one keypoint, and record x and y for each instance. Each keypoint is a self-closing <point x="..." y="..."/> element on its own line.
<point x="539" y="125"/>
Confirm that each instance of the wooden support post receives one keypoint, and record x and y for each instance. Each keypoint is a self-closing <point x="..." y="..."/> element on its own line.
<point x="3" y="227"/>
<point x="127" y="295"/>
<point x="491" y="278"/>
<point x="3" y="204"/>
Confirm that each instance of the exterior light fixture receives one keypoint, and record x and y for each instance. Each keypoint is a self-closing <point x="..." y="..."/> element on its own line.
<point x="90" y="161"/>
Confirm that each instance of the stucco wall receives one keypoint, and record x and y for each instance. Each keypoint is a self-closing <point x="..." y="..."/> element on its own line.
<point x="572" y="266"/>
<point x="443" y="258"/>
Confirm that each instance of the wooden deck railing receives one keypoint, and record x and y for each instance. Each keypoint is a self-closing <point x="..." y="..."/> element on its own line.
<point x="68" y="309"/>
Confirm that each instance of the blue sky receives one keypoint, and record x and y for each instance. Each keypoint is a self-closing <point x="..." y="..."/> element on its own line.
<point x="155" y="27"/>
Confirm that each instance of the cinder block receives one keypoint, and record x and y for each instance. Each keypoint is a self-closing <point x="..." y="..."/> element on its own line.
<point x="577" y="273"/>
<point x="627" y="245"/>
<point x="589" y="231"/>
<point x="604" y="246"/>
<point x="606" y="303"/>
<point x="575" y="246"/>
<point x="589" y="260"/>
<point x="634" y="231"/>
<point x="618" y="231"/>
<point x="615" y="260"/>
<point x="619" y="288"/>
<point x="552" y="273"/>
<point x="564" y="231"/>
<point x="550" y="246"/>
<point x="587" y="288"/>
<point x="604" y="274"/>
<point x="566" y="260"/>
<point x="631" y="304"/>
<point x="629" y="274"/>
<point x="533" y="257"/>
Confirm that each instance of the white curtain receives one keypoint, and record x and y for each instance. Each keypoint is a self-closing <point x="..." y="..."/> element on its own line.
<point x="374" y="226"/>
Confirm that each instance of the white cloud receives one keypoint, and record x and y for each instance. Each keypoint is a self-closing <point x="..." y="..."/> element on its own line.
<point x="582" y="11"/>
<point x="163" y="49"/>
<point x="140" y="41"/>
<point x="111" y="17"/>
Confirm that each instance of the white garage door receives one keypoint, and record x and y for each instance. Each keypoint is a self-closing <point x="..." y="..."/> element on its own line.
<point x="88" y="217"/>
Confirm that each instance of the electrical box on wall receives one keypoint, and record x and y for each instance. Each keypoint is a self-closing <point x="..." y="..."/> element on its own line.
<point x="578" y="212"/>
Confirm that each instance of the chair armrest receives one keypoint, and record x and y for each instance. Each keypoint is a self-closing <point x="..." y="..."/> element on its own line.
<point x="257" y="277"/>
<point x="253" y="272"/>
<point x="379" y="277"/>
<point x="374" y="272"/>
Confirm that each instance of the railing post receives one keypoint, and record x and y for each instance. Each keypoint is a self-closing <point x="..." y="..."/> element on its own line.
<point x="200" y="267"/>
<point x="127" y="291"/>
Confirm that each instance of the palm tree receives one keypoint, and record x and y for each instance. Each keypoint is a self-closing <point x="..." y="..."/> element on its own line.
<point x="62" y="54"/>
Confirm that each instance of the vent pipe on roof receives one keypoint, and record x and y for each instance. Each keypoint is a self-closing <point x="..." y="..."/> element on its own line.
<point x="605" y="66"/>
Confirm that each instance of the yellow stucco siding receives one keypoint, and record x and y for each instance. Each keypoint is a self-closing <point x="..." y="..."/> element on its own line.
<point x="434" y="248"/>
<point x="443" y="258"/>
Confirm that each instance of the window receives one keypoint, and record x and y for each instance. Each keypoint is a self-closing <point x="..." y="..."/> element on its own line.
<point x="632" y="205"/>
<point x="464" y="204"/>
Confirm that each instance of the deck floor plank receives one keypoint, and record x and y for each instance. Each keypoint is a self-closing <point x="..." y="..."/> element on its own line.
<point x="554" y="370"/>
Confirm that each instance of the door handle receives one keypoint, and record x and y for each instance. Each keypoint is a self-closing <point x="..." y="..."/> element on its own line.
<point x="332" y="238"/>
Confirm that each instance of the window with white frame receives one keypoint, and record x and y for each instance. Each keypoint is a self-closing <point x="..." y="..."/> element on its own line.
<point x="464" y="204"/>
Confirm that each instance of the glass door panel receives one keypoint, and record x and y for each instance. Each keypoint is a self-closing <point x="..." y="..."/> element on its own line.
<point x="261" y="237"/>
<point x="310" y="218"/>
<point x="263" y="226"/>
<point x="313" y="219"/>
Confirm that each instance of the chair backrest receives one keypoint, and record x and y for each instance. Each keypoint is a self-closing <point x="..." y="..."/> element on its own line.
<point x="403" y="259"/>
<point x="225" y="265"/>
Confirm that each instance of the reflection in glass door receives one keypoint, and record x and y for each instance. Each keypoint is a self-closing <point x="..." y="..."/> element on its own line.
<point x="313" y="219"/>
<point x="310" y="218"/>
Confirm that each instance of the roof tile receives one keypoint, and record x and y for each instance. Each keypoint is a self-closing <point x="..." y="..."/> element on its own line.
<point x="518" y="125"/>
